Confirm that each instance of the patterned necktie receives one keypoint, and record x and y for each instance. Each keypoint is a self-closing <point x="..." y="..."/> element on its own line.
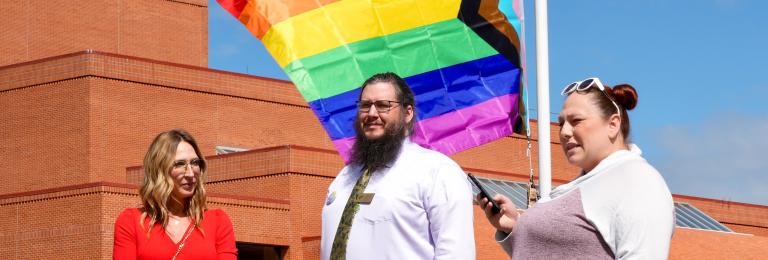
<point x="339" y="248"/>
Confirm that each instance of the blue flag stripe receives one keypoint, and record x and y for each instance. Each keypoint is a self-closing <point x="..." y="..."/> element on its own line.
<point x="437" y="92"/>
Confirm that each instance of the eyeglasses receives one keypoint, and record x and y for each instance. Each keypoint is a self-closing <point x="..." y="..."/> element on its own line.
<point x="181" y="165"/>
<point x="585" y="85"/>
<point x="382" y="106"/>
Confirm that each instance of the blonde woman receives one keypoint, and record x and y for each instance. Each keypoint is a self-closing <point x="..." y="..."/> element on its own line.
<point x="173" y="222"/>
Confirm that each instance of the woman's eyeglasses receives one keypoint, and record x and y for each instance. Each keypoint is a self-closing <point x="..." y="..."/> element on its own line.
<point x="181" y="165"/>
<point x="585" y="85"/>
<point x="382" y="106"/>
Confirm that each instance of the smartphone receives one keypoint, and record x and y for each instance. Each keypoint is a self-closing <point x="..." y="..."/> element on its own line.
<point x="495" y="209"/>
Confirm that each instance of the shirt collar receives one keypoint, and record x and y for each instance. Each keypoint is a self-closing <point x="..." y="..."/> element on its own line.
<point x="612" y="159"/>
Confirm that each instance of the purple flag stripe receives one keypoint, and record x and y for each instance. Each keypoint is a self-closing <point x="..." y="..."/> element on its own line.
<point x="463" y="129"/>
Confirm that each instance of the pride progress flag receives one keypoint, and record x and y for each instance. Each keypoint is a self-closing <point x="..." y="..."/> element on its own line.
<point x="461" y="59"/>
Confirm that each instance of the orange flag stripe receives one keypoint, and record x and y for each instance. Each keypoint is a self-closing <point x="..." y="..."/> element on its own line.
<point x="259" y="15"/>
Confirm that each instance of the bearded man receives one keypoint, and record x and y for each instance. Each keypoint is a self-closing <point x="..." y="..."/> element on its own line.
<point x="395" y="199"/>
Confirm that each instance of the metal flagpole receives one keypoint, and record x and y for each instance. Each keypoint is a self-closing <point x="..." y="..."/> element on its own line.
<point x="542" y="92"/>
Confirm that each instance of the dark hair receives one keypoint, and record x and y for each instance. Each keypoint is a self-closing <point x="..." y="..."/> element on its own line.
<point x="402" y="91"/>
<point x="625" y="97"/>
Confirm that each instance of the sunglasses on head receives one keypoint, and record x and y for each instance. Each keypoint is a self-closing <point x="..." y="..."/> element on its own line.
<point x="584" y="85"/>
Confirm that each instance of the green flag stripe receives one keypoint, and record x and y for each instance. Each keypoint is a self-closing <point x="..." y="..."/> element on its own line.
<point x="406" y="53"/>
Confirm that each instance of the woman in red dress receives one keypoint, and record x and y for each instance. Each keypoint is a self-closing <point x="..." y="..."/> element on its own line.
<point x="173" y="221"/>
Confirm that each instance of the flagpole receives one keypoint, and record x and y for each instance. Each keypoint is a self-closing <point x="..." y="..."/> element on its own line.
<point x="542" y="93"/>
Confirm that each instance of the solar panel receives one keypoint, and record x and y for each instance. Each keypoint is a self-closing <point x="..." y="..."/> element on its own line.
<point x="691" y="217"/>
<point x="686" y="215"/>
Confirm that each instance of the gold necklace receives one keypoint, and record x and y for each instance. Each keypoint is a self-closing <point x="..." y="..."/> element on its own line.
<point x="176" y="220"/>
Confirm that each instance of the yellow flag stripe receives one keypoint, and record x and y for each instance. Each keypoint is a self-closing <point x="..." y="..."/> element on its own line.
<point x="349" y="21"/>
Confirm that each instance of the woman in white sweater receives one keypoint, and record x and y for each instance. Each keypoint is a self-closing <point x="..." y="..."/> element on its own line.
<point x="618" y="208"/>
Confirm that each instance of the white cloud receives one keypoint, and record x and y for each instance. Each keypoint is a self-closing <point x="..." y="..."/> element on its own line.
<point x="724" y="158"/>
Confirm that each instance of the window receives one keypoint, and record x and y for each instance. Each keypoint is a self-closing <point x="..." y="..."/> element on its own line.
<point x="220" y="149"/>
<point x="258" y="251"/>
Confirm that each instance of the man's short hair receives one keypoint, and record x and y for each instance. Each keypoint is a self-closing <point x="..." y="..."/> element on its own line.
<point x="402" y="91"/>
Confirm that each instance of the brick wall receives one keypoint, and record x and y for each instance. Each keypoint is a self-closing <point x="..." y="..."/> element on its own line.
<point x="174" y="31"/>
<point x="271" y="187"/>
<point x="77" y="222"/>
<point x="43" y="136"/>
<point x="90" y="114"/>
<point x="311" y="249"/>
<point x="257" y="222"/>
<point x="701" y="244"/>
<point x="308" y="197"/>
<point x="61" y="224"/>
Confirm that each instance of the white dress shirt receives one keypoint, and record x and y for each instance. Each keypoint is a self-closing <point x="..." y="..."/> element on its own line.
<point x="422" y="209"/>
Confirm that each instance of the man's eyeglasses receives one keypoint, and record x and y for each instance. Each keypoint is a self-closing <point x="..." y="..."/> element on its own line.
<point x="181" y="165"/>
<point x="585" y="85"/>
<point x="382" y="106"/>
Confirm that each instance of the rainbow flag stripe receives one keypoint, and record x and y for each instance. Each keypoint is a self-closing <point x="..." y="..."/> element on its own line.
<point x="461" y="58"/>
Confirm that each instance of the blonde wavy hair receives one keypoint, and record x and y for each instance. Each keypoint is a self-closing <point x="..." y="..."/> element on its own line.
<point x="157" y="185"/>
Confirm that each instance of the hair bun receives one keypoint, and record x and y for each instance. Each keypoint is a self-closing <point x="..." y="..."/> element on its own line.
<point x="625" y="95"/>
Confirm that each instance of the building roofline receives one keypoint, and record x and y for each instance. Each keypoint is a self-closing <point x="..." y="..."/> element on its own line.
<point x="468" y="169"/>
<point x="115" y="55"/>
<point x="67" y="188"/>
<point x="518" y="175"/>
<point x="257" y="150"/>
<point x="310" y="238"/>
<point x="199" y="3"/>
<point x="273" y="148"/>
<point x="130" y="186"/>
<point x="720" y="201"/>
<point x="534" y="120"/>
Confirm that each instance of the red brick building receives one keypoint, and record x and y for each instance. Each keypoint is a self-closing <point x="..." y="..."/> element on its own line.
<point x="85" y="87"/>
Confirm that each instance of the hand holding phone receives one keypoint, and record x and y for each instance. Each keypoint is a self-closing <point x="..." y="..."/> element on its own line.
<point x="483" y="193"/>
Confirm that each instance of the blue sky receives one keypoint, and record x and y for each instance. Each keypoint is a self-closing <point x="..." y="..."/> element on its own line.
<point x="700" y="68"/>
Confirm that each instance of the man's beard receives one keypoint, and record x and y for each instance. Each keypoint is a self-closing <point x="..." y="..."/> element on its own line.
<point x="378" y="153"/>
